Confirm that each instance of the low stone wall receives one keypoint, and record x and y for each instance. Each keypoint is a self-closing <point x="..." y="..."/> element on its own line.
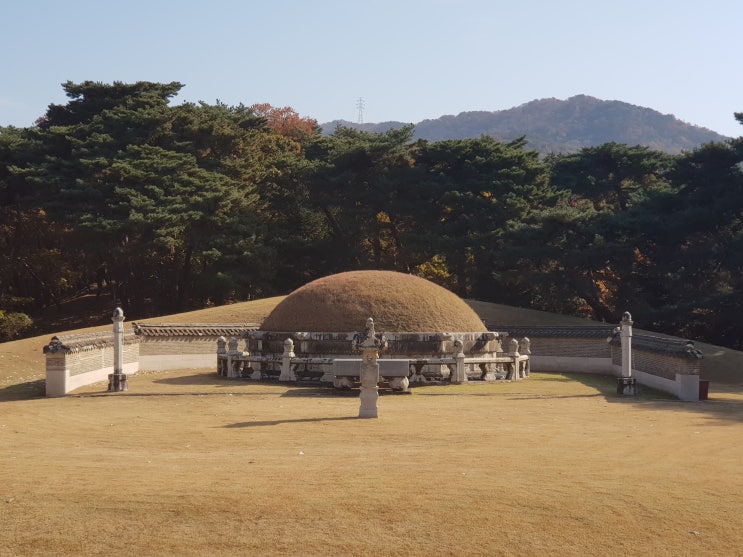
<point x="667" y="364"/>
<point x="166" y="346"/>
<point x="73" y="361"/>
<point x="580" y="349"/>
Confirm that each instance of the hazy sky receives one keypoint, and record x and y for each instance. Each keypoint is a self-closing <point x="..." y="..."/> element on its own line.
<point x="408" y="59"/>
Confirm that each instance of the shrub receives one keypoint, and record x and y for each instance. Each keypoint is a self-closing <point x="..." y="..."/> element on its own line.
<point x="13" y="325"/>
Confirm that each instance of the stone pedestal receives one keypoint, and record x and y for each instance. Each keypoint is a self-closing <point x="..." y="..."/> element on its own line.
<point x="627" y="386"/>
<point x="369" y="387"/>
<point x="117" y="382"/>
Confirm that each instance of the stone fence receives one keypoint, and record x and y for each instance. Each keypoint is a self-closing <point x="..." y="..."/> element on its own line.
<point x="667" y="364"/>
<point x="190" y="345"/>
<point x="73" y="361"/>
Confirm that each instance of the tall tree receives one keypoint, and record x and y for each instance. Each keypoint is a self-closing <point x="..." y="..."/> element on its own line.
<point x="34" y="268"/>
<point x="477" y="190"/>
<point x="167" y="195"/>
<point x="704" y="265"/>
<point x="603" y="241"/>
<point x="610" y="173"/>
<point x="354" y="184"/>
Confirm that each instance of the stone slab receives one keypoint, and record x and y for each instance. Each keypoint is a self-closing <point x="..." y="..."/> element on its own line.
<point x="387" y="367"/>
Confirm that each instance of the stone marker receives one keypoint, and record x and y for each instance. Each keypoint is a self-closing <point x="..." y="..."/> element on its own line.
<point x="626" y="384"/>
<point x="370" y="346"/>
<point x="117" y="381"/>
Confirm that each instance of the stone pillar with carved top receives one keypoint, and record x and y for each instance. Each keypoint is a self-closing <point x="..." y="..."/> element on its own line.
<point x="513" y="352"/>
<point x="222" y="356"/>
<point x="233" y="358"/>
<point x="117" y="381"/>
<point x="526" y="351"/>
<point x="370" y="346"/>
<point x="287" y="374"/>
<point x="626" y="384"/>
<point x="460" y="373"/>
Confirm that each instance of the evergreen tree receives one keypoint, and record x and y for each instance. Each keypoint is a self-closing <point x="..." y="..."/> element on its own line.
<point x="166" y="196"/>
<point x="476" y="191"/>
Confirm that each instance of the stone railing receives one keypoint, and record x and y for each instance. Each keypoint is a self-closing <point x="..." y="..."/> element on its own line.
<point x="73" y="361"/>
<point x="416" y="357"/>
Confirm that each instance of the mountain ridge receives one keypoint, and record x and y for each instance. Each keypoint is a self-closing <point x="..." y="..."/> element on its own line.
<point x="551" y="125"/>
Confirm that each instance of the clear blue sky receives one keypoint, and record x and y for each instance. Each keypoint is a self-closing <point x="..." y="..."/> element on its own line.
<point x="408" y="59"/>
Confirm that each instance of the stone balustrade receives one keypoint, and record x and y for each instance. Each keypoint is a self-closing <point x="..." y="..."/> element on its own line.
<point x="484" y="362"/>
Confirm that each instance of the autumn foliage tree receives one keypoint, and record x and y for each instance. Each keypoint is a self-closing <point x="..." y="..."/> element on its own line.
<point x="286" y="121"/>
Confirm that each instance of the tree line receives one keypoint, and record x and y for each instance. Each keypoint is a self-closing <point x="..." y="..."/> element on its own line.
<point x="177" y="207"/>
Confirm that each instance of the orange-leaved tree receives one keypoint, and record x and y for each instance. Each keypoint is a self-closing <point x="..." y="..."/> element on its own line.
<point x="286" y="121"/>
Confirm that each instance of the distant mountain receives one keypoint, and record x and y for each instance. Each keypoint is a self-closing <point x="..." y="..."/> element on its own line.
<point x="557" y="126"/>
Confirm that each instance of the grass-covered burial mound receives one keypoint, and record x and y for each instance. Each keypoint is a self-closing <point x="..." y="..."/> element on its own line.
<point x="398" y="303"/>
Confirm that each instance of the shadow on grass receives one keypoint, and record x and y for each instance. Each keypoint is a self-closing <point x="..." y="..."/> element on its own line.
<point x="194" y="379"/>
<point x="420" y="391"/>
<point x="24" y="391"/>
<point x="723" y="410"/>
<point x="725" y="402"/>
<point x="129" y="394"/>
<point x="321" y="392"/>
<point x="264" y="423"/>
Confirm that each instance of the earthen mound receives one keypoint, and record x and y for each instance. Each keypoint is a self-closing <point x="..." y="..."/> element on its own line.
<point x="398" y="303"/>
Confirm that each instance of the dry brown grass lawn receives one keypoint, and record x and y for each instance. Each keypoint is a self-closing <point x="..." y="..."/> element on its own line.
<point x="186" y="463"/>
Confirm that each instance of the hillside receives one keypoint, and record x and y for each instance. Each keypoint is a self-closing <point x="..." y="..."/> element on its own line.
<point x="561" y="126"/>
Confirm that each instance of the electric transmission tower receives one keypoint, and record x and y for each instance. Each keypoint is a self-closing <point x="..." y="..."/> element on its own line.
<point x="360" y="106"/>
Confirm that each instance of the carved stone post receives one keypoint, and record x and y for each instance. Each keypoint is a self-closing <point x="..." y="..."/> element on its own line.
<point x="251" y="367"/>
<point x="221" y="356"/>
<point x="117" y="381"/>
<point x="626" y="339"/>
<point x="286" y="362"/>
<point x="460" y="374"/>
<point x="513" y="352"/>
<point x="526" y="350"/>
<point x="626" y="384"/>
<point x="233" y="358"/>
<point x="369" y="374"/>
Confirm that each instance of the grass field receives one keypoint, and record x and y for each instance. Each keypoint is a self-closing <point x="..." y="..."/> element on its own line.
<point x="187" y="463"/>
